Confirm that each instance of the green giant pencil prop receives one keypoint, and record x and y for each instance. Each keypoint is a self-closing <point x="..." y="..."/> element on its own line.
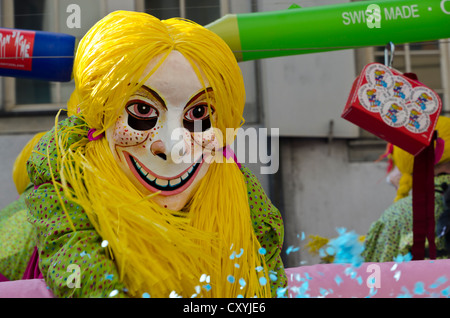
<point x="331" y="27"/>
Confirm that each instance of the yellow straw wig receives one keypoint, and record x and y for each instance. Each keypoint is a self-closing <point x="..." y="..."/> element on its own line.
<point x="158" y="250"/>
<point x="405" y="161"/>
<point x="19" y="172"/>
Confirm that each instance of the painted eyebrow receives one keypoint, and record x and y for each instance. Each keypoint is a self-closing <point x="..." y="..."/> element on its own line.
<point x="200" y="93"/>
<point x="152" y="93"/>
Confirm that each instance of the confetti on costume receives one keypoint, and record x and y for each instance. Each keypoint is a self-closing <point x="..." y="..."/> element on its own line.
<point x="83" y="196"/>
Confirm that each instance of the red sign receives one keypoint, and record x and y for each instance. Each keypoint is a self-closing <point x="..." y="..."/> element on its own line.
<point x="393" y="107"/>
<point x="16" y="49"/>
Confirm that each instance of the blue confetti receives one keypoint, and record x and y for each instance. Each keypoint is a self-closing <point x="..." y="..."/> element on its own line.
<point x="242" y="282"/>
<point x="230" y="279"/>
<point x="291" y="249"/>
<point x="347" y="248"/>
<point x="441" y="280"/>
<point x="403" y="258"/>
<point x="262" y="251"/>
<point x="273" y="277"/>
<point x="372" y="292"/>
<point x="281" y="292"/>
<point x="323" y="291"/>
<point x="233" y="255"/>
<point x="109" y="277"/>
<point x="330" y="250"/>
<point x="322" y="253"/>
<point x="84" y="253"/>
<point x="349" y="271"/>
<point x="262" y="281"/>
<point x="419" y="288"/>
<point x="341" y="230"/>
<point x="304" y="288"/>
<point x="302" y="236"/>
<point x="207" y="287"/>
<point x="145" y="295"/>
<point x="446" y="291"/>
<point x="338" y="280"/>
<point x="406" y="293"/>
<point x="359" y="280"/>
<point x="300" y="292"/>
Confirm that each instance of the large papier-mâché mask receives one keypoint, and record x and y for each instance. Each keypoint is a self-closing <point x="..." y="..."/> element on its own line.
<point x="164" y="135"/>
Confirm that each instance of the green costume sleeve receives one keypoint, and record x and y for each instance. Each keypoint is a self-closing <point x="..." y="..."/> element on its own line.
<point x="269" y="229"/>
<point x="73" y="263"/>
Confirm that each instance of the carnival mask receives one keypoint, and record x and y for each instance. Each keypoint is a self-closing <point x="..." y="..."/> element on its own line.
<point x="164" y="134"/>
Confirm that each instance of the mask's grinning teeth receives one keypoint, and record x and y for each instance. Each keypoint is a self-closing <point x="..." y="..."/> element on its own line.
<point x="164" y="184"/>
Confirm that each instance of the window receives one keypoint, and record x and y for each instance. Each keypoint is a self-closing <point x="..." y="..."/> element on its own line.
<point x="25" y="95"/>
<point x="200" y="11"/>
<point x="428" y="60"/>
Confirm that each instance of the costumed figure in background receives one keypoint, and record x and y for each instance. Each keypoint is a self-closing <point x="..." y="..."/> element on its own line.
<point x="136" y="192"/>
<point x="392" y="234"/>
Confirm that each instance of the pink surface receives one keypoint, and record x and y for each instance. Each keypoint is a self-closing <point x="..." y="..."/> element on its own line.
<point x="27" y="288"/>
<point x="410" y="279"/>
<point x="392" y="280"/>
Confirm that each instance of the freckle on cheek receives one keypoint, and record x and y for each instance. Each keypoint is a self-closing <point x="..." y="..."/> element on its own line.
<point x="125" y="136"/>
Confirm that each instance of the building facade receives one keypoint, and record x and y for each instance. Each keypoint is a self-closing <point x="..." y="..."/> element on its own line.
<point x="323" y="171"/>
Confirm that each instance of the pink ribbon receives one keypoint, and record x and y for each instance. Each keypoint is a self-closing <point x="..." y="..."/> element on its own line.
<point x="91" y="135"/>
<point x="229" y="153"/>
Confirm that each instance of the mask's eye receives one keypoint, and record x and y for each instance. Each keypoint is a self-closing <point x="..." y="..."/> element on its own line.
<point x="141" y="110"/>
<point x="197" y="118"/>
<point x="142" y="116"/>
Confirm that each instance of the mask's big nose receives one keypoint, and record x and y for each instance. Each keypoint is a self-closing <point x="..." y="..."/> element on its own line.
<point x="158" y="149"/>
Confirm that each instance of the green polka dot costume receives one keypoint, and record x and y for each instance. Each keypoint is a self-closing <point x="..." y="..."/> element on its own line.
<point x="392" y="234"/>
<point x="17" y="240"/>
<point x="68" y="258"/>
<point x="268" y="227"/>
